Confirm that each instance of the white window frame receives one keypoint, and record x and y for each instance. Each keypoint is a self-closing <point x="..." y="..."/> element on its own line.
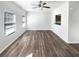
<point x="9" y="23"/>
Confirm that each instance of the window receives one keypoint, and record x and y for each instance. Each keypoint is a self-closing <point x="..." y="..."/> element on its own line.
<point x="23" y="21"/>
<point x="9" y="23"/>
<point x="58" y="19"/>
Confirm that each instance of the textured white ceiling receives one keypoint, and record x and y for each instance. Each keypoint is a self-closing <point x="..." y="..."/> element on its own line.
<point x="27" y="5"/>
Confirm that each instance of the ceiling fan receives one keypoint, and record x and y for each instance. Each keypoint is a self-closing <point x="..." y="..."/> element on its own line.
<point x="41" y="5"/>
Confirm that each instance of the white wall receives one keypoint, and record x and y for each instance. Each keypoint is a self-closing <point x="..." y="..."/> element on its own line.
<point x="5" y="41"/>
<point x="39" y="20"/>
<point x="74" y="22"/>
<point x="61" y="30"/>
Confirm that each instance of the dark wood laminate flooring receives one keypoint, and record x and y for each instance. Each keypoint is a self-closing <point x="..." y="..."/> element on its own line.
<point x="40" y="44"/>
<point x="76" y="46"/>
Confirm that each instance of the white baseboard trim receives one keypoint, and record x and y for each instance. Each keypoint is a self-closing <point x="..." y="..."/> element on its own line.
<point x="73" y="42"/>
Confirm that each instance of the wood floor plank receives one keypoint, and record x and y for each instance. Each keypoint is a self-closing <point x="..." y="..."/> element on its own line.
<point x="40" y="43"/>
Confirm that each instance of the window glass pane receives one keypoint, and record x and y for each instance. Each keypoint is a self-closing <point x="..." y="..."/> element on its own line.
<point x="9" y="23"/>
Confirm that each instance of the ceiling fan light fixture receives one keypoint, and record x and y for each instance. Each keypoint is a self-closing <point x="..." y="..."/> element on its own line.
<point x="42" y="5"/>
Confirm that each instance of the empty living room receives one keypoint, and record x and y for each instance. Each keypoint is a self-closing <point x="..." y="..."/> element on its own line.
<point x="39" y="28"/>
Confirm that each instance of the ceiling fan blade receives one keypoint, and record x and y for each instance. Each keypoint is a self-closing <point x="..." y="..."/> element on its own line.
<point x="44" y="3"/>
<point x="33" y="4"/>
<point x="34" y="7"/>
<point x="46" y="6"/>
